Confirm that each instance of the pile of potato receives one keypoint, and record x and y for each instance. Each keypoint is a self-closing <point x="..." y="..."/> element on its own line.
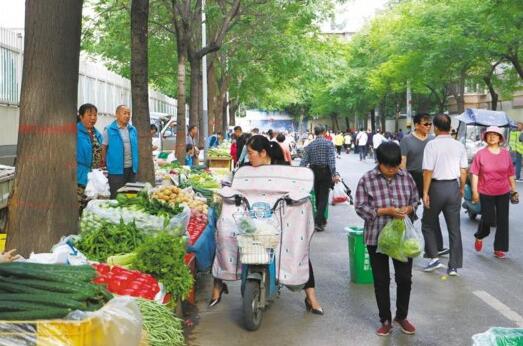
<point x="173" y="195"/>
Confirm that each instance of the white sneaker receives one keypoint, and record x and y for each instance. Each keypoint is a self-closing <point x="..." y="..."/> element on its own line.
<point x="433" y="265"/>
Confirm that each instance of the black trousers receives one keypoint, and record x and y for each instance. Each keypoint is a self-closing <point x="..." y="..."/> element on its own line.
<point x="381" y="273"/>
<point x="338" y="149"/>
<point x="494" y="211"/>
<point x="116" y="181"/>
<point x="322" y="184"/>
<point x="418" y="179"/>
<point x="311" y="283"/>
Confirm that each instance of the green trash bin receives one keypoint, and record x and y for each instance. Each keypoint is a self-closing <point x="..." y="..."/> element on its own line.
<point x="359" y="261"/>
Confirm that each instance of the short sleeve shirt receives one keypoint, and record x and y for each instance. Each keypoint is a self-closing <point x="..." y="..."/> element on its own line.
<point x="445" y="157"/>
<point x="494" y="171"/>
<point x="412" y="148"/>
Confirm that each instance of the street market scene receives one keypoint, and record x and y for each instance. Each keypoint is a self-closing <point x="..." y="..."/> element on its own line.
<point x="239" y="172"/>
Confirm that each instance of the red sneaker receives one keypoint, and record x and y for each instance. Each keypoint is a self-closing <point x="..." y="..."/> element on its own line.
<point x="406" y="326"/>
<point x="385" y="329"/>
<point x="500" y="254"/>
<point x="478" y="245"/>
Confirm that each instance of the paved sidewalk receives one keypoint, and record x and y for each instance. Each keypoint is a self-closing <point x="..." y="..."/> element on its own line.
<point x="445" y="312"/>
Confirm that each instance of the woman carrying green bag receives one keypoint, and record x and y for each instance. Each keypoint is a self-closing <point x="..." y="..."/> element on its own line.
<point x="383" y="194"/>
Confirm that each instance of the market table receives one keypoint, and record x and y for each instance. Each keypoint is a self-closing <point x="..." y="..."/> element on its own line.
<point x="219" y="162"/>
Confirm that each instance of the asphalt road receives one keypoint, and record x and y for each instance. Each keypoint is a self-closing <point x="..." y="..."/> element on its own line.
<point x="488" y="292"/>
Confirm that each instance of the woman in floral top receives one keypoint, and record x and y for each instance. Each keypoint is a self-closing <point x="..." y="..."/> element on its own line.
<point x="88" y="148"/>
<point x="384" y="193"/>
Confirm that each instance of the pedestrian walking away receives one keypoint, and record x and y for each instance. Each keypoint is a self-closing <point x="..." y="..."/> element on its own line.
<point x="493" y="184"/>
<point x="444" y="176"/>
<point x="120" y="150"/>
<point x="347" y="142"/>
<point x="320" y="156"/>
<point x="338" y="142"/>
<point x="376" y="206"/>
<point x="516" y="149"/>
<point x="88" y="149"/>
<point x="361" y="142"/>
<point x="412" y="147"/>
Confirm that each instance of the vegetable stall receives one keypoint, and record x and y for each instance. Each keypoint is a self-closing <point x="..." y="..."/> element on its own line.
<point x="125" y="273"/>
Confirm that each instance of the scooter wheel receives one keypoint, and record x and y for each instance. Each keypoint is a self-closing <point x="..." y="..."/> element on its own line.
<point x="252" y="309"/>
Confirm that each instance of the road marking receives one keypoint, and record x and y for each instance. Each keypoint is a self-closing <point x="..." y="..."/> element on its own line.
<point x="500" y="307"/>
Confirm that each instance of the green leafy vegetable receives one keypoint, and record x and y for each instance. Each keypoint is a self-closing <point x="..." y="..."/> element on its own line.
<point x="100" y="239"/>
<point x="162" y="256"/>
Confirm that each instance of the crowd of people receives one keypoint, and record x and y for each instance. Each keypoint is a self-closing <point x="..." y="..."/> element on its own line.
<point x="426" y="167"/>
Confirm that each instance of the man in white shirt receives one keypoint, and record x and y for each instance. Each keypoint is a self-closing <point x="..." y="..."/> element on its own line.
<point x="444" y="176"/>
<point x="347" y="142"/>
<point x="377" y="139"/>
<point x="361" y="142"/>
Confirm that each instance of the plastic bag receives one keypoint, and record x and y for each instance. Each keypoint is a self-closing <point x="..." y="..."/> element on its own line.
<point x="413" y="242"/>
<point x="401" y="240"/>
<point x="497" y="336"/>
<point x="119" y="322"/>
<point x="390" y="240"/>
<point x="338" y="194"/>
<point x="149" y="223"/>
<point x="97" y="185"/>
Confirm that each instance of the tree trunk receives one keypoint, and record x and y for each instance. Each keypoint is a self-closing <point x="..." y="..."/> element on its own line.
<point x="347" y="123"/>
<point x="225" y="122"/>
<point x="493" y="94"/>
<point x="140" y="87"/>
<point x="514" y="59"/>
<point x="43" y="205"/>
<point x="382" y="118"/>
<point x="194" y="114"/>
<point x="397" y="119"/>
<point x="212" y="97"/>
<point x="373" y="120"/>
<point x="232" y="112"/>
<point x="180" y="112"/>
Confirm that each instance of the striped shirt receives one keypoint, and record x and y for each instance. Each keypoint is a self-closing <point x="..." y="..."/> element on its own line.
<point x="320" y="152"/>
<point x="375" y="191"/>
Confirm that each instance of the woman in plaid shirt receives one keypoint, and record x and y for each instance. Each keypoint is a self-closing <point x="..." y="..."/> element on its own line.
<point x="384" y="193"/>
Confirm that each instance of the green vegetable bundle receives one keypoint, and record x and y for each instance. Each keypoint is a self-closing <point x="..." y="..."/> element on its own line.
<point x="100" y="239"/>
<point x="151" y="206"/>
<point x="161" y="326"/>
<point x="390" y="239"/>
<point x="397" y="242"/>
<point x="162" y="256"/>
<point x="219" y="153"/>
<point x="30" y="291"/>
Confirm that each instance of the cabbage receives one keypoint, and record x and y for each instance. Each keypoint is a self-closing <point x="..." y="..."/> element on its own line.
<point x="390" y="239"/>
<point x="411" y="247"/>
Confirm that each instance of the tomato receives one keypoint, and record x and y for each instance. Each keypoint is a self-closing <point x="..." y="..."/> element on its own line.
<point x="126" y="292"/>
<point x="115" y="286"/>
<point x="102" y="268"/>
<point x="101" y="280"/>
<point x="120" y="270"/>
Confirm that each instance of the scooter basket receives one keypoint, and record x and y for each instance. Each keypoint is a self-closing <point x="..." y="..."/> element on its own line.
<point x="257" y="248"/>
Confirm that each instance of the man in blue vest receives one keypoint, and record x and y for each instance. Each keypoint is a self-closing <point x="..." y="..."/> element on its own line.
<point x="120" y="148"/>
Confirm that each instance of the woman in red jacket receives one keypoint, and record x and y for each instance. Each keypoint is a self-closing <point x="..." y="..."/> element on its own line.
<point x="234" y="150"/>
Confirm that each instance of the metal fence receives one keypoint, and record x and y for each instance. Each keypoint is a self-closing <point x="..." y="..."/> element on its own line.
<point x="96" y="84"/>
<point x="11" y="45"/>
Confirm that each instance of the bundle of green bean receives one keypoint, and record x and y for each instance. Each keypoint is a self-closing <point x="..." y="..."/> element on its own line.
<point x="161" y="326"/>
